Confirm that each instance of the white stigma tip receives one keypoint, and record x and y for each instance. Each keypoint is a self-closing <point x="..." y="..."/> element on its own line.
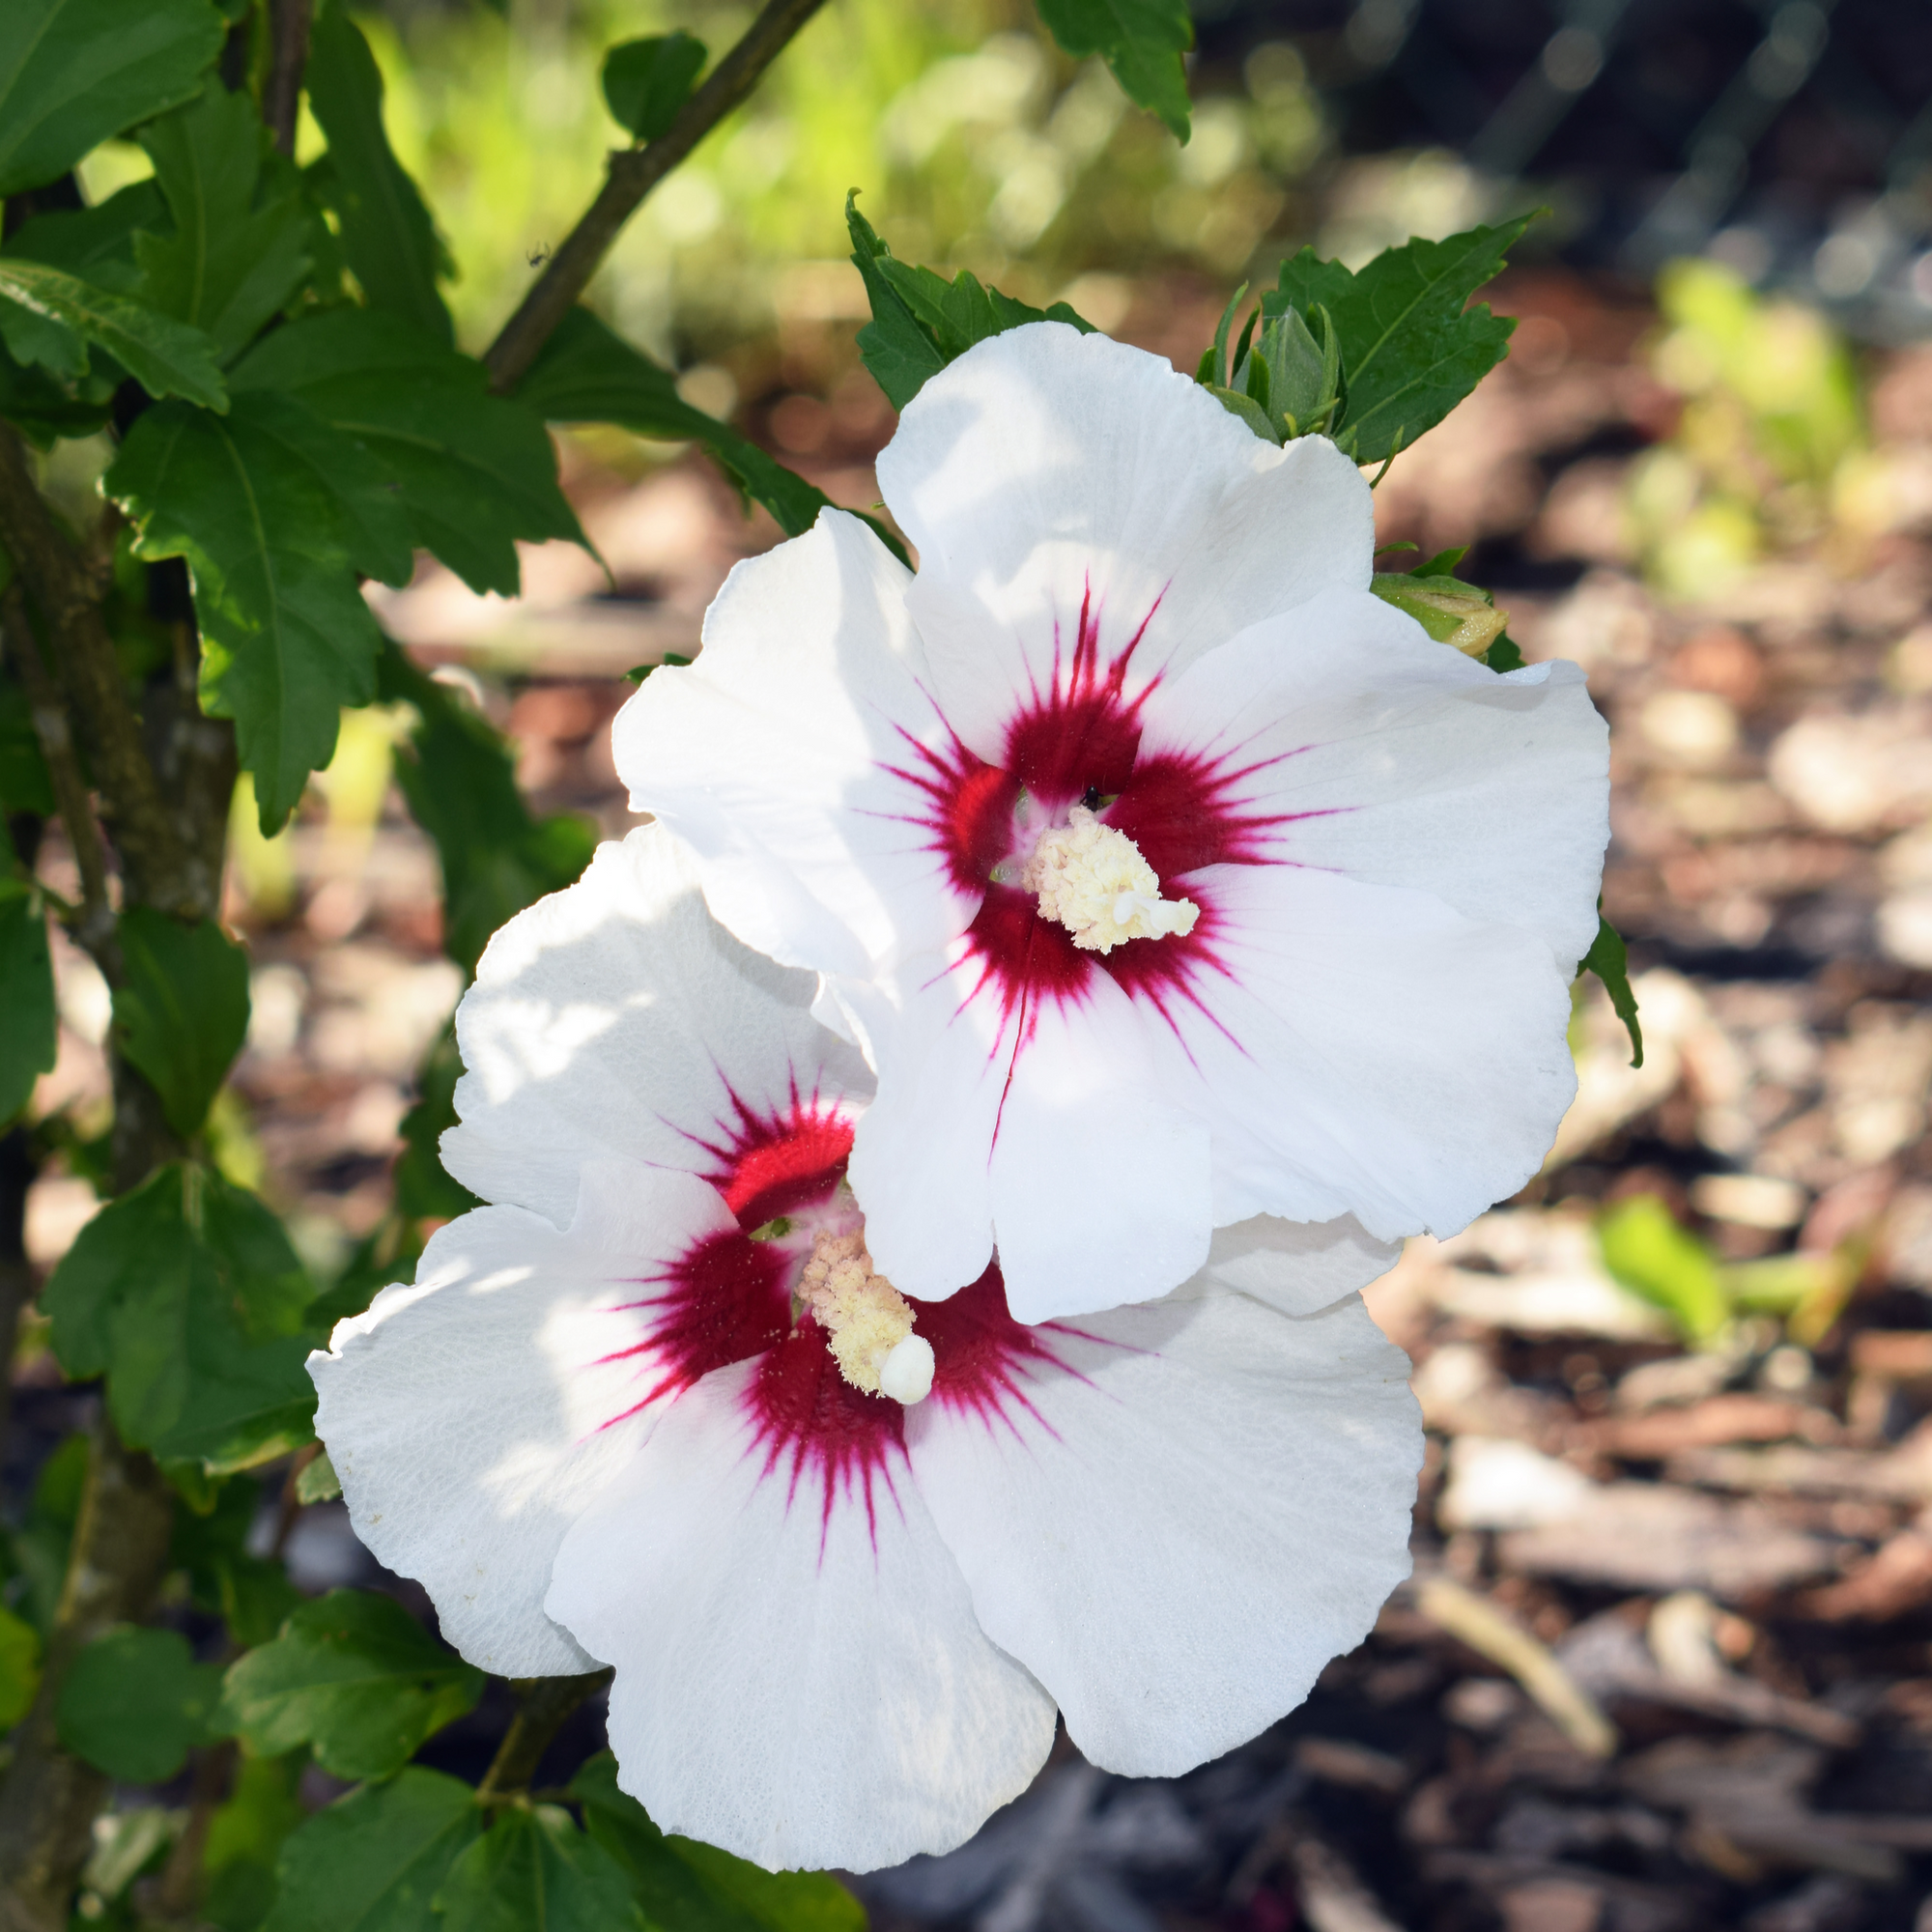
<point x="1093" y="881"/>
<point x="906" y="1373"/>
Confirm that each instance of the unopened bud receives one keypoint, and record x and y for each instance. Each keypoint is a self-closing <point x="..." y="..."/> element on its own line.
<point x="1453" y="613"/>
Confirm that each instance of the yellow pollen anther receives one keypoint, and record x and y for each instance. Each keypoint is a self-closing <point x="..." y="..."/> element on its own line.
<point x="1093" y="881"/>
<point x="867" y="1321"/>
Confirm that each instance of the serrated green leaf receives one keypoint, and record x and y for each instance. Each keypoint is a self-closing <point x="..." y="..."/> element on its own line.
<point x="187" y="1296"/>
<point x="74" y="71"/>
<point x="239" y="246"/>
<point x="354" y="1675"/>
<point x="698" y="1888"/>
<point x="424" y="1188"/>
<point x="460" y="781"/>
<point x="388" y="236"/>
<point x="1411" y="347"/>
<point x="1142" y="40"/>
<point x="135" y="1703"/>
<point x="645" y="82"/>
<point x="182" y="1012"/>
<point x="49" y="317"/>
<point x="28" y="1032"/>
<point x="19" y="1667"/>
<point x="94" y="244"/>
<point x="534" y="1871"/>
<point x="586" y="372"/>
<point x="921" y="321"/>
<point x="1609" y="961"/>
<point x="287" y="640"/>
<point x="475" y="473"/>
<point x="1647" y="1252"/>
<point x="374" y="1861"/>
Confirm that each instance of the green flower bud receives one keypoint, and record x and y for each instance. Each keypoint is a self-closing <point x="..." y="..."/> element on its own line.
<point x="1453" y="613"/>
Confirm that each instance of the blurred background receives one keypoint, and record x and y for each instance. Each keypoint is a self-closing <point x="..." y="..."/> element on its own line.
<point x="1668" y="1660"/>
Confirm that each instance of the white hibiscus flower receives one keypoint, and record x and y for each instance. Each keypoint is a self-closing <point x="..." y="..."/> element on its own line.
<point x="642" y="1410"/>
<point x="1167" y="876"/>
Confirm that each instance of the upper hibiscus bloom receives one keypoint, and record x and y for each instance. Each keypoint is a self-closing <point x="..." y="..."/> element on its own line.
<point x="1166" y="876"/>
<point x="656" y="1406"/>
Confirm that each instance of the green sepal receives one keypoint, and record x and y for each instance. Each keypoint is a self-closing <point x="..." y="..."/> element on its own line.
<point x="1255" y="414"/>
<point x="647" y="81"/>
<point x="1609" y="960"/>
<point x="135" y="1703"/>
<point x="182" y="1012"/>
<point x="355" y="1677"/>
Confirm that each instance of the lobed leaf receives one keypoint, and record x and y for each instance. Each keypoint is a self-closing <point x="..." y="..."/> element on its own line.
<point x="49" y="317"/>
<point x="534" y="1871"/>
<point x="374" y="1861"/>
<point x="387" y="236"/>
<point x="698" y="1888"/>
<point x="72" y="72"/>
<point x="182" y="1012"/>
<point x="241" y="240"/>
<point x="921" y="322"/>
<point x="645" y="82"/>
<point x="473" y="473"/>
<point x="1412" y="348"/>
<point x="187" y="1296"/>
<point x="287" y="640"/>
<point x="587" y="373"/>
<point x="135" y="1703"/>
<point x="354" y="1675"/>
<point x="1142" y="40"/>
<point x="28" y="1028"/>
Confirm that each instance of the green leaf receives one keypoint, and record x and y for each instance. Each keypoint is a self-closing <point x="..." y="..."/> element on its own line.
<point x="243" y="1837"/>
<point x="135" y="1703"/>
<point x="287" y="640"/>
<point x="1609" y="961"/>
<point x="356" y="1676"/>
<point x="48" y="317"/>
<point x="95" y="244"/>
<point x="645" y="82"/>
<point x="187" y="1296"/>
<point x="28" y="1033"/>
<point x="460" y="780"/>
<point x="1503" y="655"/>
<point x="921" y="322"/>
<point x="1648" y="1253"/>
<point x="19" y="1667"/>
<point x="251" y="1594"/>
<point x="181" y="1013"/>
<point x="586" y="372"/>
<point x="1410" y="349"/>
<point x="424" y="1188"/>
<point x="387" y="236"/>
<point x="43" y="411"/>
<point x="74" y="71"/>
<point x="475" y="473"/>
<point x="698" y="1888"/>
<point x="240" y="245"/>
<point x="1142" y="40"/>
<point x="373" y="1861"/>
<point x="534" y="1871"/>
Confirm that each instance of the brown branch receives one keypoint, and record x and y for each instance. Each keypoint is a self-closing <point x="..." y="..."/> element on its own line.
<point x="281" y="99"/>
<point x="633" y="173"/>
<point x="545" y="1702"/>
<point x="95" y="929"/>
<point x="48" y="1801"/>
<point x="63" y="588"/>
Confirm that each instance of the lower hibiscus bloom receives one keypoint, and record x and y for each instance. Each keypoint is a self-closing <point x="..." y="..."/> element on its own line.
<point x="847" y="1550"/>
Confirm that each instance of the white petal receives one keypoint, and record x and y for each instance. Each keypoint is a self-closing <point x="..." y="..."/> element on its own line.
<point x="1408" y="763"/>
<point x="1182" y="1524"/>
<point x="1369" y="1051"/>
<point x="1044" y="467"/>
<point x="771" y="755"/>
<point x="617" y="1018"/>
<point x="800" y="1677"/>
<point x="472" y="1415"/>
<point x="1298" y="1267"/>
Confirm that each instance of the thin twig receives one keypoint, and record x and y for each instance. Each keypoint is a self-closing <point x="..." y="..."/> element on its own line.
<point x="281" y="99"/>
<point x="96" y="931"/>
<point x="544" y="1703"/>
<point x="633" y="173"/>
